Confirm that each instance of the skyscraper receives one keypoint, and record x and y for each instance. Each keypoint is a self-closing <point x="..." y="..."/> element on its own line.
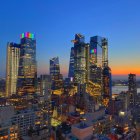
<point x="54" y="66"/>
<point x="132" y="88"/>
<point x="56" y="77"/>
<point x="27" y="74"/>
<point x="95" y="74"/>
<point x="45" y="84"/>
<point x="107" y="85"/>
<point x="13" y="52"/>
<point x="81" y="60"/>
<point x="98" y="59"/>
<point x="99" y="51"/>
<point x="71" y="64"/>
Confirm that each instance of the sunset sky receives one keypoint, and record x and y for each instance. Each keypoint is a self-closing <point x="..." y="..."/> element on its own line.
<point x="55" y="22"/>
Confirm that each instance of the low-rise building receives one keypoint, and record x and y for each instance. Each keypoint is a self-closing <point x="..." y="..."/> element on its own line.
<point x="8" y="130"/>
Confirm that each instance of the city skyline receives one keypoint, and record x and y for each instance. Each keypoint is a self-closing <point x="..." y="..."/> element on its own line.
<point x="69" y="70"/>
<point x="119" y="25"/>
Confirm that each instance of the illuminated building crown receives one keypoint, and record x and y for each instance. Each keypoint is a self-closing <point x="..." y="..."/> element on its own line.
<point x="27" y="35"/>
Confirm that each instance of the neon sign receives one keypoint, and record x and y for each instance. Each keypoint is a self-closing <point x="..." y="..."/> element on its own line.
<point x="27" y="35"/>
<point x="93" y="51"/>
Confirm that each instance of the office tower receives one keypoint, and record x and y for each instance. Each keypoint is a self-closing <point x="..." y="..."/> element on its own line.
<point x="132" y="88"/>
<point x="81" y="70"/>
<point x="95" y="74"/>
<point x="45" y="84"/>
<point x="56" y="77"/>
<point x="13" y="52"/>
<point x="27" y="64"/>
<point x="98" y="61"/>
<point x="71" y="65"/>
<point x="99" y="51"/>
<point x="54" y="66"/>
<point x="107" y="85"/>
<point x="81" y="60"/>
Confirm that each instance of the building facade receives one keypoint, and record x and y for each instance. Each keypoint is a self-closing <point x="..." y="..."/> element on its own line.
<point x="99" y="51"/>
<point x="13" y="53"/>
<point x="24" y="120"/>
<point x="56" y="77"/>
<point x="95" y="74"/>
<point x="81" y="60"/>
<point x="107" y="85"/>
<point x="71" y="65"/>
<point x="8" y="130"/>
<point x="132" y="88"/>
<point x="100" y="74"/>
<point x="45" y="84"/>
<point x="27" y="74"/>
<point x="54" y="66"/>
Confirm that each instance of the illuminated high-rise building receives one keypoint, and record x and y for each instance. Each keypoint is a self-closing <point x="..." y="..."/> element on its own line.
<point x="27" y="74"/>
<point x="56" y="77"/>
<point x="13" y="52"/>
<point x="81" y="60"/>
<point x="54" y="66"/>
<point x="95" y="74"/>
<point x="45" y="84"/>
<point x="98" y="58"/>
<point x="71" y="64"/>
<point x="132" y="88"/>
<point x="99" y="51"/>
<point x="107" y="84"/>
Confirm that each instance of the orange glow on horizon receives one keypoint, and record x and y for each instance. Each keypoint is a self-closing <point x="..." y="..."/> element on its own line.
<point x="116" y="69"/>
<point x="126" y="71"/>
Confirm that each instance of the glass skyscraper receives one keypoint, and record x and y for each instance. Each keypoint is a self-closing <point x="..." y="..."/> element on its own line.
<point x="45" y="85"/>
<point x="13" y="53"/>
<point x="71" y="64"/>
<point x="99" y="51"/>
<point x="100" y="73"/>
<point x="107" y="84"/>
<point x="54" y="66"/>
<point x="81" y="60"/>
<point x="27" y="74"/>
<point x="56" y="77"/>
<point x="95" y="74"/>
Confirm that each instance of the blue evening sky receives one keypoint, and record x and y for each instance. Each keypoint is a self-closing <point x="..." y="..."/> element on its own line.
<point x="55" y="23"/>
